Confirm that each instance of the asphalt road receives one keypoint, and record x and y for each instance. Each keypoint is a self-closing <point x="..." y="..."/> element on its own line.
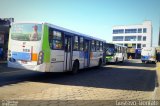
<point x="129" y="80"/>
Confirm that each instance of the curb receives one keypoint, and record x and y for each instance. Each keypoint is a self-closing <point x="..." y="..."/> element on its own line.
<point x="158" y="73"/>
<point x="157" y="83"/>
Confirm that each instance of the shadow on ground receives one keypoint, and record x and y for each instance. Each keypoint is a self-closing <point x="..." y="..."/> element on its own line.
<point x="105" y="77"/>
<point x="138" y="64"/>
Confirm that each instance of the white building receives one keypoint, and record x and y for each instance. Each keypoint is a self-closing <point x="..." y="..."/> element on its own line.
<point x="133" y="36"/>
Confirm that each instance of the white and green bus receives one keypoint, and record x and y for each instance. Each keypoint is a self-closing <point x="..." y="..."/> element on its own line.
<point x="115" y="53"/>
<point x="49" y="48"/>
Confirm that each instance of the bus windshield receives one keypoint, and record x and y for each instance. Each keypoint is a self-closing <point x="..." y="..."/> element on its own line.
<point x="110" y="51"/>
<point x="26" y="32"/>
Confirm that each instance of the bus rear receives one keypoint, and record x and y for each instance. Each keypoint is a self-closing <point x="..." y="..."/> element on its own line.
<point x="148" y="55"/>
<point x="25" y="46"/>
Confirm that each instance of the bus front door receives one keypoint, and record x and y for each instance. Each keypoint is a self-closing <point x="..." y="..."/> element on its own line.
<point x="86" y="53"/>
<point x="68" y="53"/>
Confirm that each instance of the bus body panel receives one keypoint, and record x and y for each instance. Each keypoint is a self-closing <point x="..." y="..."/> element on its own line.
<point x="95" y="58"/>
<point x="148" y="54"/>
<point x="81" y="59"/>
<point x="57" y="61"/>
<point x="78" y="55"/>
<point x="16" y="49"/>
<point x="24" y="54"/>
<point x="45" y="44"/>
<point x="119" y="56"/>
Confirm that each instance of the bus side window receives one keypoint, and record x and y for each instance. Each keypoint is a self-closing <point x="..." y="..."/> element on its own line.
<point x="116" y="49"/>
<point x="76" y="43"/>
<point x="97" y="46"/>
<point x="85" y="46"/>
<point x="50" y="37"/>
<point x="120" y="49"/>
<point x="81" y="43"/>
<point x="55" y="39"/>
<point x="93" y="46"/>
<point x="101" y="46"/>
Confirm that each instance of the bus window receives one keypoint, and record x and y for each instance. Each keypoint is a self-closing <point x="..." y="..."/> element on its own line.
<point x="116" y="49"/>
<point x="50" y="37"/>
<point x="101" y="46"/>
<point x="93" y="46"/>
<point x="26" y="32"/>
<point x="55" y="39"/>
<point x="76" y="43"/>
<point x="120" y="49"/>
<point x="86" y="45"/>
<point x="124" y="50"/>
<point x="97" y="46"/>
<point x="81" y="43"/>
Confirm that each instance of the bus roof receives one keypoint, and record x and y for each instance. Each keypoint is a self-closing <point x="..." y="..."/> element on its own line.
<point x="62" y="29"/>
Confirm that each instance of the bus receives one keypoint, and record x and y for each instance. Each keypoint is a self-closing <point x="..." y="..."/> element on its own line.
<point x="115" y="53"/>
<point x="148" y="54"/>
<point x="4" y="36"/>
<point x="46" y="47"/>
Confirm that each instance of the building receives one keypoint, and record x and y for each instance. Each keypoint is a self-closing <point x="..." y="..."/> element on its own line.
<point x="135" y="37"/>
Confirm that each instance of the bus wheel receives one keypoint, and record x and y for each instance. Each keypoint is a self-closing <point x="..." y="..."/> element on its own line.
<point x="122" y="60"/>
<point x="145" y="62"/>
<point x="75" y="67"/>
<point x="116" y="61"/>
<point x="100" y="63"/>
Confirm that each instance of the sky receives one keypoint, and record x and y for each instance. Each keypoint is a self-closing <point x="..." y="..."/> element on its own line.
<point x="91" y="17"/>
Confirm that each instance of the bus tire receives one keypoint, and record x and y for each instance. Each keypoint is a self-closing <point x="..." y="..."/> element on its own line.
<point x="75" y="67"/>
<point x="116" y="61"/>
<point x="145" y="62"/>
<point x="122" y="60"/>
<point x="100" y="63"/>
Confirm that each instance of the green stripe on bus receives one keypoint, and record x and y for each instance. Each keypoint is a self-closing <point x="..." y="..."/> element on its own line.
<point x="108" y="58"/>
<point x="45" y="45"/>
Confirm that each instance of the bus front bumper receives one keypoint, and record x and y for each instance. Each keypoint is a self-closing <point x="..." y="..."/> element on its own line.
<point x="110" y="59"/>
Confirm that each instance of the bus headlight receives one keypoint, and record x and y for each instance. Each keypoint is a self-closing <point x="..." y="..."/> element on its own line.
<point x="40" y="57"/>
